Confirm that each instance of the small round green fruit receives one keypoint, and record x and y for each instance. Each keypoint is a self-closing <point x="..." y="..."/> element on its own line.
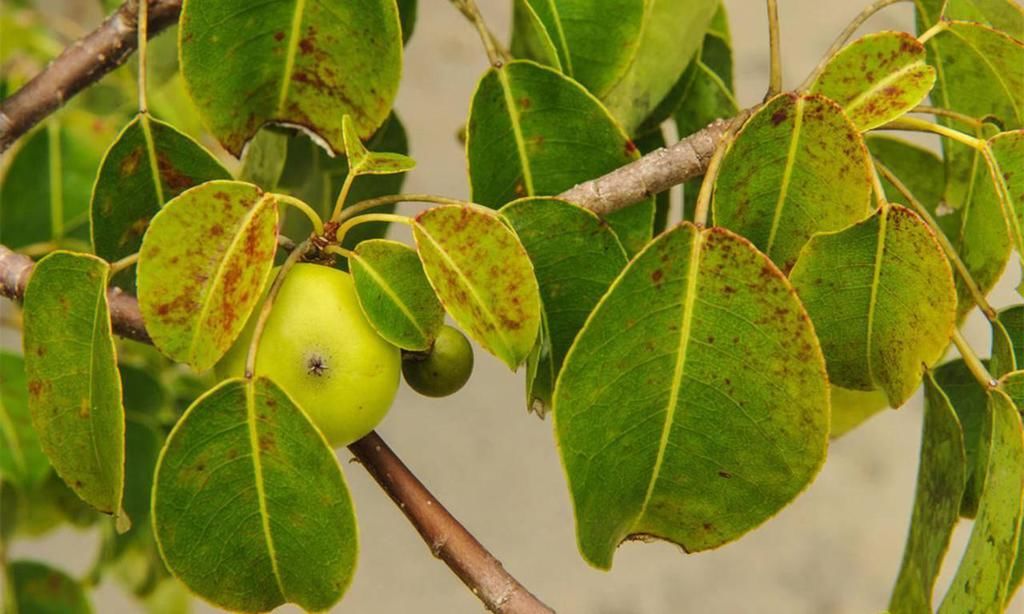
<point x="444" y="369"/>
<point x="319" y="347"/>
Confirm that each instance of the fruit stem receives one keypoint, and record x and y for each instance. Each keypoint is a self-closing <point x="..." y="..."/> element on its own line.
<point x="947" y="246"/>
<point x="339" y="250"/>
<point x="119" y="265"/>
<point x="314" y="218"/>
<point x="143" y="36"/>
<point x="343" y="195"/>
<point x="919" y="125"/>
<point x="268" y="304"/>
<point x="775" y="76"/>
<point x="939" y="112"/>
<point x="391" y="199"/>
<point x="974" y="364"/>
<point x="368" y="217"/>
<point x="707" y="186"/>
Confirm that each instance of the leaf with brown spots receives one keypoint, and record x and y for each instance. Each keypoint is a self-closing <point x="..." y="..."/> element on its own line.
<point x="877" y="78"/>
<point x="483" y="276"/>
<point x="306" y="62"/>
<point x="940" y="483"/>
<point x="694" y="404"/>
<point x="535" y="132"/>
<point x="882" y="299"/>
<point x="981" y="581"/>
<point x="37" y="588"/>
<point x="73" y="384"/>
<point x="202" y="267"/>
<point x="148" y="164"/>
<point x="811" y="175"/>
<point x="973" y="228"/>
<point x="250" y="508"/>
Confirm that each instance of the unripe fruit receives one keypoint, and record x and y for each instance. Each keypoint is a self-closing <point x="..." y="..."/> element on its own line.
<point x="319" y="347"/>
<point x="444" y="369"/>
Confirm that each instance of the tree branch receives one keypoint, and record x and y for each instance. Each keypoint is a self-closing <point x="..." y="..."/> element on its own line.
<point x="654" y="172"/>
<point x="447" y="539"/>
<point x="80" y="65"/>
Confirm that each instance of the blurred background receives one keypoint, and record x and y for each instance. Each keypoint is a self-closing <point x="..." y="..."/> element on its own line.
<point x="835" y="550"/>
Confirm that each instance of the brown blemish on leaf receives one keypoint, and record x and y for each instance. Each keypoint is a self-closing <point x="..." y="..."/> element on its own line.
<point x="130" y="163"/>
<point x="171" y="176"/>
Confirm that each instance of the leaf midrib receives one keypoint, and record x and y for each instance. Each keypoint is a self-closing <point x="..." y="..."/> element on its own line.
<point x="100" y="296"/>
<point x="517" y="132"/>
<point x="289" y="60"/>
<point x="154" y="169"/>
<point x="880" y="85"/>
<point x="472" y="290"/>
<point x="391" y="294"/>
<point x="787" y="173"/>
<point x="204" y="308"/>
<point x="261" y="496"/>
<point x="689" y="300"/>
<point x="875" y="277"/>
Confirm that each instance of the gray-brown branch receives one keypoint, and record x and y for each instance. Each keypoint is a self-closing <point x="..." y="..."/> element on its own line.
<point x="447" y="539"/>
<point x="80" y="65"/>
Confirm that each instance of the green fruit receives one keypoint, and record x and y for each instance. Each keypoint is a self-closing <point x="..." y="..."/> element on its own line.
<point x="444" y="369"/>
<point x="319" y="348"/>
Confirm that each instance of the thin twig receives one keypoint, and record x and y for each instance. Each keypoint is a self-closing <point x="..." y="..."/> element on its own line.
<point x="447" y="538"/>
<point x="497" y="55"/>
<point x="444" y="535"/>
<point x="80" y="65"/>
<point x="973" y="362"/>
<point x="974" y="122"/>
<point x="774" y="44"/>
<point x="844" y="36"/>
<point x="143" y="42"/>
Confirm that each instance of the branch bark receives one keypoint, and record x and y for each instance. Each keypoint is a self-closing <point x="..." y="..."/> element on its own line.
<point x="80" y="65"/>
<point x="447" y="539"/>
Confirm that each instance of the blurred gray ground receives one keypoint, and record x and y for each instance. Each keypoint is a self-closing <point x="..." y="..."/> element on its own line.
<point x="835" y="550"/>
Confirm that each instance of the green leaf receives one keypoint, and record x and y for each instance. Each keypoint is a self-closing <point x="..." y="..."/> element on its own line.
<point x="534" y="132"/>
<point x="530" y="36"/>
<point x="576" y="257"/>
<point x="1007" y="174"/>
<point x="37" y="588"/>
<point x="1008" y="341"/>
<point x="316" y="178"/>
<point x="850" y="408"/>
<point x="670" y="36"/>
<point x="877" y="78"/>
<point x="706" y="98"/>
<point x="693" y="405"/>
<point x="73" y="386"/>
<point x="940" y="482"/>
<point x="303" y="62"/>
<point x="407" y="10"/>
<point x="264" y="158"/>
<point x="1013" y="385"/>
<point x="980" y="582"/>
<point x="202" y="266"/>
<point x="143" y="441"/>
<point x="22" y="461"/>
<point x="970" y="402"/>
<point x="45" y="189"/>
<point x="974" y="229"/>
<point x="812" y="175"/>
<point x="363" y="162"/>
<point x="483" y="276"/>
<point x="878" y="319"/>
<point x="595" y="40"/>
<point x="250" y="507"/>
<point x="149" y="164"/>
<point x="1005" y="15"/>
<point x="395" y="295"/>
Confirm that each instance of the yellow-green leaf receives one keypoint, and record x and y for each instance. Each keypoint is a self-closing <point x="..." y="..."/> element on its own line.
<point x="811" y="175"/>
<point x="22" y="461"/>
<point x="879" y="319"/>
<point x="202" y="267"/>
<point x="483" y="276"/>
